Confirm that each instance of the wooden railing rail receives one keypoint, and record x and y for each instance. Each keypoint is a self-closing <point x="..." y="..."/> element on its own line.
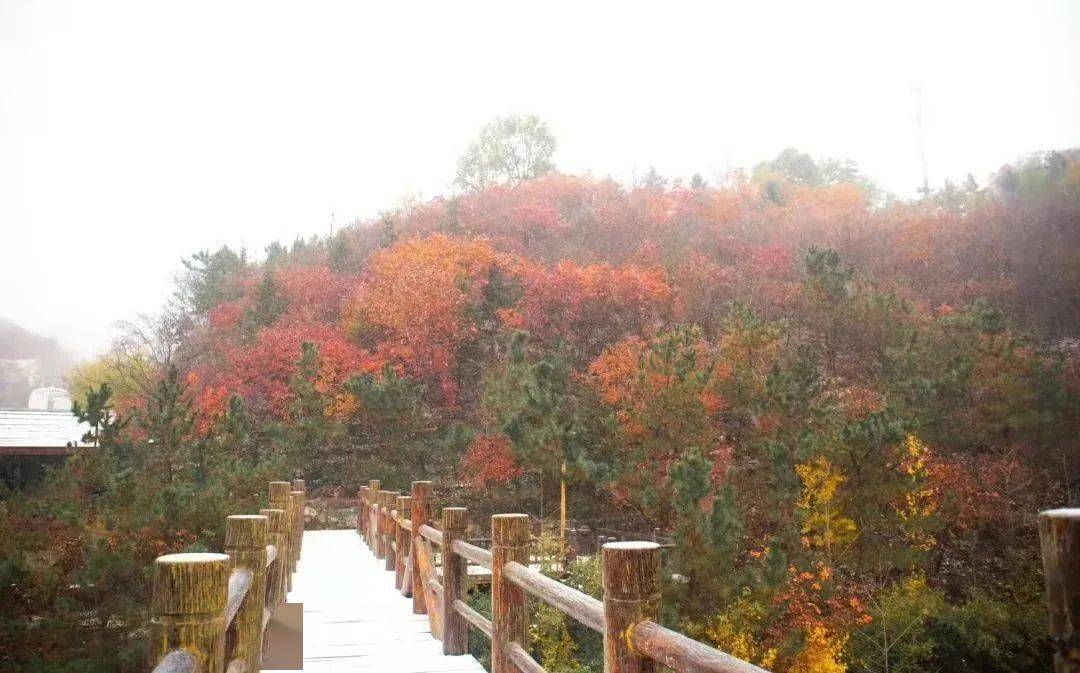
<point x="581" y="606"/>
<point x="627" y="617"/>
<point x="210" y="611"/>
<point x="478" y="555"/>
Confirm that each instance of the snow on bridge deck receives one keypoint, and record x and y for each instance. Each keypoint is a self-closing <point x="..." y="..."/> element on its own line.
<point x="354" y="618"/>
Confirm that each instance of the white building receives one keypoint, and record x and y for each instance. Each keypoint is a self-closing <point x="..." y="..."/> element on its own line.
<point x="39" y="433"/>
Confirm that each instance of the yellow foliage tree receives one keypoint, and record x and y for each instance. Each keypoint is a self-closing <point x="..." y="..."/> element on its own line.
<point x="920" y="501"/>
<point x="821" y="654"/>
<point x="824" y="524"/>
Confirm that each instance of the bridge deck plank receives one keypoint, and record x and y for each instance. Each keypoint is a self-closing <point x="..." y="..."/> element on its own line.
<point x="354" y="618"/>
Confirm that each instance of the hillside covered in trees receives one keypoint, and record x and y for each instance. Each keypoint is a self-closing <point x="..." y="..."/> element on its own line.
<point x="846" y="409"/>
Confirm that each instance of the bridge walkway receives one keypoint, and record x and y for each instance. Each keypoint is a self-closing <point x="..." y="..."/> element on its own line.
<point x="354" y="619"/>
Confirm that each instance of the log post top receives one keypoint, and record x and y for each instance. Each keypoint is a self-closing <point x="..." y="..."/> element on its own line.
<point x="422" y="495"/>
<point x="273" y="517"/>
<point x="279" y="490"/>
<point x="1063" y="513"/>
<point x="510" y="530"/>
<point x="247" y="531"/>
<point x="454" y="520"/>
<point x="1059" y="539"/>
<point x="191" y="584"/>
<point x="631" y="570"/>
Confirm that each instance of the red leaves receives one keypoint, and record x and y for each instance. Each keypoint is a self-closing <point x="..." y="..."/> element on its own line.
<point x="422" y="295"/>
<point x="489" y="461"/>
<point x="591" y="306"/>
<point x="978" y="490"/>
<point x="261" y="372"/>
<point x="225" y="316"/>
<point x="314" y="292"/>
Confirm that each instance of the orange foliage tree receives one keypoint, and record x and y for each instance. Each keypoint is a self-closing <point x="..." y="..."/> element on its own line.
<point x="421" y="302"/>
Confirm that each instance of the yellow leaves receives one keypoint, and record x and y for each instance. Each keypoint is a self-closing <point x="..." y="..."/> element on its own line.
<point x="820" y="481"/>
<point x="919" y="500"/>
<point x="736" y="630"/>
<point x="823" y="523"/>
<point x="341" y="405"/>
<point x="915" y="455"/>
<point x="822" y="654"/>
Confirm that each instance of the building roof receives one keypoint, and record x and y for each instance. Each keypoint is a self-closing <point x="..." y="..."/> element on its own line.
<point x="24" y="428"/>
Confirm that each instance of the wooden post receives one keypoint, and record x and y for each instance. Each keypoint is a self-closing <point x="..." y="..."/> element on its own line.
<point x="296" y="506"/>
<point x="377" y="523"/>
<point x="391" y="529"/>
<point x="509" y="620"/>
<point x="401" y="539"/>
<point x="188" y="608"/>
<point x="422" y="496"/>
<point x="1059" y="537"/>
<point x="562" y="502"/>
<point x="275" y="574"/>
<point x="298" y="485"/>
<point x="361" y="498"/>
<point x="298" y="523"/>
<point x="374" y="486"/>
<point x="380" y="525"/>
<point x="631" y="579"/>
<point x="245" y="543"/>
<point x="455" y="634"/>
<point x="280" y="498"/>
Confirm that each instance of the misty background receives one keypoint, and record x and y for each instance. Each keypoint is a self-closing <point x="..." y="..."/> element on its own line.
<point x="133" y="134"/>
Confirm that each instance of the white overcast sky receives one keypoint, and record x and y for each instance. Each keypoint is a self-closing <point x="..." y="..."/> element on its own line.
<point x="134" y="133"/>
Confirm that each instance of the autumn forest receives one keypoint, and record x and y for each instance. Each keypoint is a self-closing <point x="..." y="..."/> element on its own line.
<point x="843" y="408"/>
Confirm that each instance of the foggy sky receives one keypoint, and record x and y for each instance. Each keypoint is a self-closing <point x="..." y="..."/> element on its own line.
<point x="135" y="133"/>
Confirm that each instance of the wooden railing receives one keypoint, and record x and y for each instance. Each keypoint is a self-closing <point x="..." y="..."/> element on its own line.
<point x="210" y="611"/>
<point x="401" y="531"/>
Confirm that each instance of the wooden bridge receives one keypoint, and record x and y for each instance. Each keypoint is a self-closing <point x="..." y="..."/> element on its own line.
<point x="390" y="595"/>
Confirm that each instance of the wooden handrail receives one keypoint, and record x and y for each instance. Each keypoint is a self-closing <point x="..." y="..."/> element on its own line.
<point x="522" y="659"/>
<point x="674" y="650"/>
<point x="239" y="583"/>
<point x="627" y="617"/>
<point x="271" y="554"/>
<point x="482" y="623"/>
<point x="432" y="534"/>
<point x="478" y="555"/>
<point x="581" y="606"/>
<point x="210" y="611"/>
